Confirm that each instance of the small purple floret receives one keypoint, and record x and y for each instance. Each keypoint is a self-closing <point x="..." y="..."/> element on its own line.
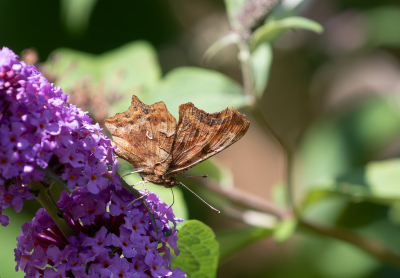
<point x="39" y="130"/>
<point x="119" y="244"/>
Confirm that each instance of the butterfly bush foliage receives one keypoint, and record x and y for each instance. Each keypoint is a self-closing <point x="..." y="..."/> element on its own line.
<point x="40" y="131"/>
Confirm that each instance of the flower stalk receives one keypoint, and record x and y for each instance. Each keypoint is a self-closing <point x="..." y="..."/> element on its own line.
<point x="47" y="202"/>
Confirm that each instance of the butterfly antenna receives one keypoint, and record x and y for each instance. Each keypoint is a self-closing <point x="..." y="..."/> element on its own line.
<point x="187" y="177"/>
<point x="199" y="197"/>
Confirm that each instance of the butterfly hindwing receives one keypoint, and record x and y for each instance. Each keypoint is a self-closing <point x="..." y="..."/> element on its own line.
<point x="200" y="135"/>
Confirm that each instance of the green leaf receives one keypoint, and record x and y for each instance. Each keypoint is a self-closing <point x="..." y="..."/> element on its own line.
<point x="285" y="229"/>
<point x="232" y="242"/>
<point x="199" y="252"/>
<point x="261" y="60"/>
<point x="394" y="213"/>
<point x="383" y="177"/>
<point x="75" y="15"/>
<point x="272" y="29"/>
<point x="206" y="89"/>
<point x="380" y="26"/>
<point x="220" y="44"/>
<point x="327" y="153"/>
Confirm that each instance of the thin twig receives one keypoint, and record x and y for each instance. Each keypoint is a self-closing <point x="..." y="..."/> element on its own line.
<point x="248" y="200"/>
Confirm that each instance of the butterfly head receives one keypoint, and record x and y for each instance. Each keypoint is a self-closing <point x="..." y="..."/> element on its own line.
<point x="171" y="182"/>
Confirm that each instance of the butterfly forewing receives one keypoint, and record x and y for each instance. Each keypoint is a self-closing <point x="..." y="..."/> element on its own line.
<point x="144" y="135"/>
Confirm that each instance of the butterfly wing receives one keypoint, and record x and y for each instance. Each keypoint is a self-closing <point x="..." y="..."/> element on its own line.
<point x="144" y="135"/>
<point x="200" y="135"/>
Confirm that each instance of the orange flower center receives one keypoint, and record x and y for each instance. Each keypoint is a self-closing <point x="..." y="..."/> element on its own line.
<point x="72" y="177"/>
<point x="71" y="157"/>
<point x="93" y="177"/>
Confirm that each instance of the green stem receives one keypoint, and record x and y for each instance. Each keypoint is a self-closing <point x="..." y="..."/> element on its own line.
<point x="52" y="209"/>
<point x="53" y="176"/>
<point x="248" y="84"/>
<point x="269" y="130"/>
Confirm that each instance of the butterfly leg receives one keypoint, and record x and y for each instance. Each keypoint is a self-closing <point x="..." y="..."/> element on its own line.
<point x="144" y="195"/>
<point x="138" y="171"/>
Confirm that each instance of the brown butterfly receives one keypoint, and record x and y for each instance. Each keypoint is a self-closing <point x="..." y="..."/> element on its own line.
<point x="159" y="148"/>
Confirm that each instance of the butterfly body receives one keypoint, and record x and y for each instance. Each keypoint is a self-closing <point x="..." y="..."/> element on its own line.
<point x="159" y="148"/>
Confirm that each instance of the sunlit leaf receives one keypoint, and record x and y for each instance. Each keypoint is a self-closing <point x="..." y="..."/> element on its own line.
<point x="383" y="178"/>
<point x="261" y="60"/>
<point x="206" y="89"/>
<point x="272" y="29"/>
<point x="285" y="229"/>
<point x="199" y="250"/>
<point x="232" y="242"/>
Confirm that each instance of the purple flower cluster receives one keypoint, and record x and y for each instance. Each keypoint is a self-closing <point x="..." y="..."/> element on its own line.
<point x="39" y="129"/>
<point x="113" y="239"/>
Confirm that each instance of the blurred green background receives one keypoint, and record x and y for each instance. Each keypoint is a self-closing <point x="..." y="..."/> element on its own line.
<point x="334" y="97"/>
